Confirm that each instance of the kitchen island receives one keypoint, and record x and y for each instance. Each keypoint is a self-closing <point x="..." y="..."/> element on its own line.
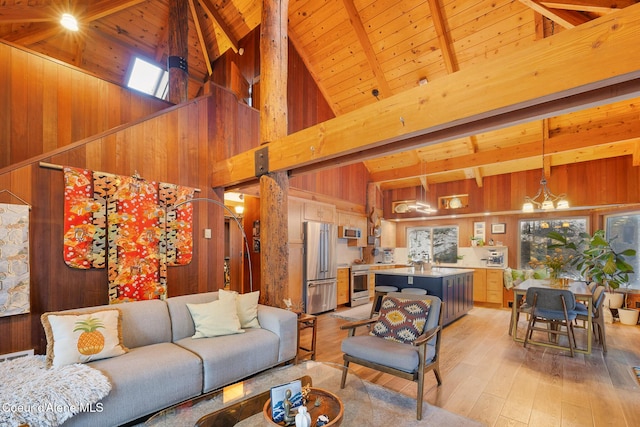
<point x="454" y="286"/>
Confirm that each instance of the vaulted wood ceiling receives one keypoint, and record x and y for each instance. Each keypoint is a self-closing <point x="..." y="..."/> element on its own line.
<point x="353" y="48"/>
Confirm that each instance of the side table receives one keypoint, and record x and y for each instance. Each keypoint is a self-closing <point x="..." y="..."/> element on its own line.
<point x="306" y="321"/>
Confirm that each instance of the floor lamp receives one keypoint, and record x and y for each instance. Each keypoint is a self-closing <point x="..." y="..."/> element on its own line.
<point x="237" y="221"/>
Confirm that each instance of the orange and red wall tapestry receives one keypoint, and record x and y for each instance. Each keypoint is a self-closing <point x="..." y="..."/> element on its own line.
<point x="129" y="225"/>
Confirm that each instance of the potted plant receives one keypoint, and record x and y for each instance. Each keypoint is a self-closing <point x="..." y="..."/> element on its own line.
<point x="597" y="261"/>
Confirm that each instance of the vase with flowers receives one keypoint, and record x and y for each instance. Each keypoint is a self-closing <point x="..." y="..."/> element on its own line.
<point x="555" y="265"/>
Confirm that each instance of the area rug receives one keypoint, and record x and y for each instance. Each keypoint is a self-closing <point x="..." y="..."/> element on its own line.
<point x="34" y="395"/>
<point x="356" y="313"/>
<point x="386" y="407"/>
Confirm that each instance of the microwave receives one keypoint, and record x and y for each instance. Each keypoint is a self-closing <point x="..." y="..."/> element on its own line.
<point x="349" y="232"/>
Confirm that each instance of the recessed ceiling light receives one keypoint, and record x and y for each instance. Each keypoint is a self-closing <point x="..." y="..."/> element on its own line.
<point x="69" y="22"/>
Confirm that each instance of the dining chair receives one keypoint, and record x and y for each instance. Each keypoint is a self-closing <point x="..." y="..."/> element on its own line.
<point x="404" y="340"/>
<point x="555" y="308"/>
<point x="597" y="316"/>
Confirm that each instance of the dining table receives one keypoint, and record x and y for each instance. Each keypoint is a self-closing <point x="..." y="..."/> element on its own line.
<point x="579" y="289"/>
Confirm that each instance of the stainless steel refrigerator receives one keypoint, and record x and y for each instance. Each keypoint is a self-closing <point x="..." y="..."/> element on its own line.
<point x="320" y="267"/>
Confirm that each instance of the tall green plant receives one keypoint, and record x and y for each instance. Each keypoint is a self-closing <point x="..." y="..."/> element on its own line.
<point x="596" y="259"/>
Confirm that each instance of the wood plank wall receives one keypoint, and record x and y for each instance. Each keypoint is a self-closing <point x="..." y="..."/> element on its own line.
<point x="175" y="146"/>
<point x="45" y="104"/>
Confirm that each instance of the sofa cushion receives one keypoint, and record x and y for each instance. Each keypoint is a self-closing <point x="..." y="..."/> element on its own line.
<point x="401" y="319"/>
<point x="215" y="318"/>
<point x="246" y="305"/>
<point x="145" y="380"/>
<point x="81" y="337"/>
<point x="227" y="359"/>
<point x="181" y="322"/>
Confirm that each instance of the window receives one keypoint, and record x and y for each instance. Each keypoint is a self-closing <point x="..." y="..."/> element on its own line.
<point x="439" y="244"/>
<point x="148" y="78"/>
<point x="534" y="240"/>
<point x="622" y="232"/>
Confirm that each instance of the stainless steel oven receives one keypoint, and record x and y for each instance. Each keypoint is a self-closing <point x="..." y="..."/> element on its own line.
<point x="359" y="286"/>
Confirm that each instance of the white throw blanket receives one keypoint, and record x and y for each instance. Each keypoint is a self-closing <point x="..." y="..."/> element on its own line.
<point x="34" y="395"/>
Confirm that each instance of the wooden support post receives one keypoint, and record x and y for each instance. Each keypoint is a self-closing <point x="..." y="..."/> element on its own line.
<point x="274" y="247"/>
<point x="178" y="50"/>
<point x="274" y="188"/>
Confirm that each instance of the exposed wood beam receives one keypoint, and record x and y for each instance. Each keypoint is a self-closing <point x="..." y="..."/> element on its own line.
<point x="613" y="138"/>
<point x="565" y="18"/>
<point x="594" y="6"/>
<point x="219" y="21"/>
<point x="203" y="44"/>
<point x="443" y="37"/>
<point x="105" y="8"/>
<point x="515" y="88"/>
<point x="472" y="143"/>
<point x="356" y="23"/>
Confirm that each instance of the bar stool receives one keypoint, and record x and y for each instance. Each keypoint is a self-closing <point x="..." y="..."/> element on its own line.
<point x="381" y="291"/>
<point x="414" y="291"/>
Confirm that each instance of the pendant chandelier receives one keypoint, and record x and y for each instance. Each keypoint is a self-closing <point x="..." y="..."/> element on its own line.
<point x="544" y="198"/>
<point x="422" y="206"/>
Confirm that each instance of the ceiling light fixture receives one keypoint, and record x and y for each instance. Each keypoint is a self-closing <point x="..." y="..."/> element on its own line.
<point x="544" y="198"/>
<point x="69" y="22"/>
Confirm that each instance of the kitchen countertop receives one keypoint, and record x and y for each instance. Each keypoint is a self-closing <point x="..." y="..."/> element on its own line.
<point x="434" y="272"/>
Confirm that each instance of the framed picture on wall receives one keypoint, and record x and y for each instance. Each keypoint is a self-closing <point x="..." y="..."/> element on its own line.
<point x="499" y="228"/>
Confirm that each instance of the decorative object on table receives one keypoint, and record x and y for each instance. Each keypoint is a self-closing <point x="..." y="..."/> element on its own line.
<point x="323" y="420"/>
<point x="303" y="418"/>
<point x="295" y="306"/>
<point x="14" y="259"/>
<point x="555" y="264"/>
<point x="636" y="372"/>
<point x="306" y="389"/>
<point x="285" y="398"/>
<point x="331" y="407"/>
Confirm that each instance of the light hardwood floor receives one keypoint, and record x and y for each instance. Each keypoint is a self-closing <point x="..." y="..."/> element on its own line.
<point x="492" y="379"/>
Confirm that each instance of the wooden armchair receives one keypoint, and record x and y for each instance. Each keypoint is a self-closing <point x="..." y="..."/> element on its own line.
<point x="409" y="360"/>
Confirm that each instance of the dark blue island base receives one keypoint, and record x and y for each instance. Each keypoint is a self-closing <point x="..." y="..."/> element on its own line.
<point x="454" y="286"/>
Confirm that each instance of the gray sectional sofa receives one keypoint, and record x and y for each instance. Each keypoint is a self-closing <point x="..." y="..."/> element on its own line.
<point x="165" y="366"/>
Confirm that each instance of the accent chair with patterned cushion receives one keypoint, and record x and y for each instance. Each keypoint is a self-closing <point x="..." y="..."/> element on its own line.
<point x="404" y="340"/>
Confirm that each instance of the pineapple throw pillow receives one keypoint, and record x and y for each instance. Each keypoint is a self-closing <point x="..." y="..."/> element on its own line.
<point x="82" y="337"/>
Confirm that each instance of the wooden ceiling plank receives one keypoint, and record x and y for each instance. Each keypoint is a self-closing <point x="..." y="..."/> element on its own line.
<point x="594" y="6"/>
<point x="443" y="37"/>
<point x="565" y="18"/>
<point x="203" y="45"/>
<point x="39" y="32"/>
<point x="19" y="13"/>
<point x="356" y="22"/>
<point x="516" y="87"/>
<point x="210" y="8"/>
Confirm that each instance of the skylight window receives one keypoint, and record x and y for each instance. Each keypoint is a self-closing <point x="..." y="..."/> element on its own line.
<point x="148" y="78"/>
